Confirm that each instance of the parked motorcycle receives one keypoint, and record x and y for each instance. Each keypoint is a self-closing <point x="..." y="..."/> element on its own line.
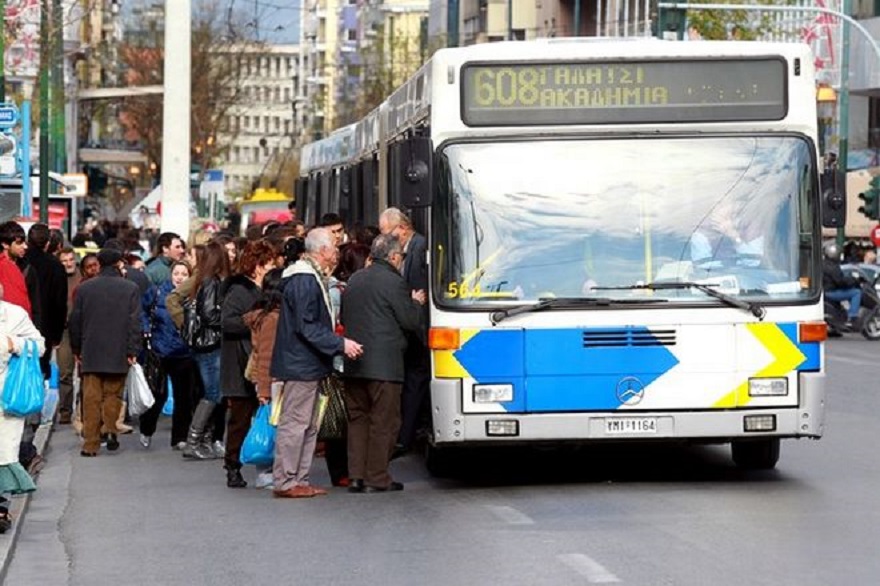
<point x="868" y="322"/>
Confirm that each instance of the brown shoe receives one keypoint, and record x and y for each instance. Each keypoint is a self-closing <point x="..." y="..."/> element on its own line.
<point x="297" y="492"/>
<point x="317" y="490"/>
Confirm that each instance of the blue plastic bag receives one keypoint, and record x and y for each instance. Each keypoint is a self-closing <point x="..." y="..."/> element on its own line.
<point x="24" y="387"/>
<point x="168" y="407"/>
<point x="259" y="444"/>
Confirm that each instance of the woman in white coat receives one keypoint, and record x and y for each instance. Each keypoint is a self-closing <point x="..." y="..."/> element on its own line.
<point x="16" y="328"/>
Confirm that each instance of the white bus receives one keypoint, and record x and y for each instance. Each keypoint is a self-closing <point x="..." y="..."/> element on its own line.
<point x="625" y="238"/>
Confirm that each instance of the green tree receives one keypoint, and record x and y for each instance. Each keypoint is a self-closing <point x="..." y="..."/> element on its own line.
<point x="741" y="25"/>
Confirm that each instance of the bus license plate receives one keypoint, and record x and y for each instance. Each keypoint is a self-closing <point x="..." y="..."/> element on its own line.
<point x="630" y="425"/>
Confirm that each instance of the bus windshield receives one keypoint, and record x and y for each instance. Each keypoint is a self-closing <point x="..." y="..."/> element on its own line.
<point x="522" y="221"/>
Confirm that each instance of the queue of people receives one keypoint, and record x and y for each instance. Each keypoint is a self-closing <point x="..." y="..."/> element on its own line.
<point x="276" y="319"/>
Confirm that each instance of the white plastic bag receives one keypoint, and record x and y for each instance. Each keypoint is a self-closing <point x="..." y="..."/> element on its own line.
<point x="140" y="397"/>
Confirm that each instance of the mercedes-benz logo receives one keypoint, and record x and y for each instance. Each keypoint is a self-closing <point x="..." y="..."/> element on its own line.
<point x="630" y="391"/>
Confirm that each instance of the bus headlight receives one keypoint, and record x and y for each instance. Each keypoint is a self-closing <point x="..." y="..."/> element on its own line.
<point x="494" y="393"/>
<point x="768" y="387"/>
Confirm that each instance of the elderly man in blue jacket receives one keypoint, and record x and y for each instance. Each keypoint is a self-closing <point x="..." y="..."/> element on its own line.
<point x="305" y="345"/>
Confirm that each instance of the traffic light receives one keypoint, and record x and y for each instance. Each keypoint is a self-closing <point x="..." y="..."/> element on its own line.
<point x="871" y="197"/>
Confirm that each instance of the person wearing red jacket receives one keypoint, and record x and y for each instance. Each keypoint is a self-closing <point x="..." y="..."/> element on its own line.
<point x="12" y="241"/>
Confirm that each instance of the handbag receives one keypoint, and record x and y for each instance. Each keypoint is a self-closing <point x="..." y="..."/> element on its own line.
<point x="153" y="369"/>
<point x="140" y="397"/>
<point x="23" y="390"/>
<point x="332" y="414"/>
<point x="259" y="444"/>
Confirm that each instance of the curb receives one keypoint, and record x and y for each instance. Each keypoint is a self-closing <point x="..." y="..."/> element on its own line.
<point x="20" y="506"/>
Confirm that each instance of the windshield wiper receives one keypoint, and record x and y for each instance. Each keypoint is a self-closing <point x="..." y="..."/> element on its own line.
<point x="549" y="302"/>
<point x="755" y="309"/>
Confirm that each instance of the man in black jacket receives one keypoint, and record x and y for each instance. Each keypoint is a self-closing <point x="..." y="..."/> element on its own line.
<point x="417" y="380"/>
<point x="378" y="310"/>
<point x="105" y="336"/>
<point x="52" y="290"/>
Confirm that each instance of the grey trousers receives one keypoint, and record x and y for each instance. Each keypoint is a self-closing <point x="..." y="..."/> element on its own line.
<point x="295" y="435"/>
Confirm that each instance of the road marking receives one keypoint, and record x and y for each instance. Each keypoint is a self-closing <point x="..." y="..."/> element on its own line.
<point x="510" y="515"/>
<point x="593" y="571"/>
<point x="848" y="360"/>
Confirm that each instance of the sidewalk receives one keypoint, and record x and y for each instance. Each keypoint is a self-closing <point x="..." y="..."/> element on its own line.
<point x="19" y="508"/>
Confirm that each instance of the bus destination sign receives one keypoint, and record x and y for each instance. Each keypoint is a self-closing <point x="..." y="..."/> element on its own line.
<point x="631" y="92"/>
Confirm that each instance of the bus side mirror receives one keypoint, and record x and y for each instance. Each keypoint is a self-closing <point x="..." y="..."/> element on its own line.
<point x="833" y="211"/>
<point x="413" y="177"/>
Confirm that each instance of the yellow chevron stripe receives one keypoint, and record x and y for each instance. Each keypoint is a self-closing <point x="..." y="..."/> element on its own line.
<point x="786" y="357"/>
<point x="446" y="365"/>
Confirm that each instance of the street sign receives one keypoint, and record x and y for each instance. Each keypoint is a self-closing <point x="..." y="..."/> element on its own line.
<point x="875" y="235"/>
<point x="8" y="115"/>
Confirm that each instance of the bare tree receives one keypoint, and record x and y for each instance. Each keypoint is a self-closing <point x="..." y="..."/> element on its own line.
<point x="217" y="89"/>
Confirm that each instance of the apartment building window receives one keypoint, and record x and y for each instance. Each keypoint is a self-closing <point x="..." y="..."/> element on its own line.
<point x="352" y="34"/>
<point x="236" y="154"/>
<point x="277" y="124"/>
<point x="278" y="94"/>
<point x="287" y="94"/>
<point x="277" y="66"/>
<point x="247" y="122"/>
<point x="256" y="158"/>
<point x="266" y="120"/>
<point x="287" y="127"/>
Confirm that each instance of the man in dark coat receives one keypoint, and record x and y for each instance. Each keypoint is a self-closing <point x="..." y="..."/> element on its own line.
<point x="305" y="344"/>
<point x="52" y="290"/>
<point x="378" y="310"/>
<point x="417" y="380"/>
<point x="105" y="336"/>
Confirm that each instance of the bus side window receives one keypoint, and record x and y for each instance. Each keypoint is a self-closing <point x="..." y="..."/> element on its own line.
<point x="345" y="193"/>
<point x="392" y="168"/>
<point x="371" y="207"/>
<point x="311" y="200"/>
<point x="355" y="198"/>
<point x="299" y="196"/>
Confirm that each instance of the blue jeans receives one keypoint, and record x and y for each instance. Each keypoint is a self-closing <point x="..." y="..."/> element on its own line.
<point x="853" y="295"/>
<point x="209" y="370"/>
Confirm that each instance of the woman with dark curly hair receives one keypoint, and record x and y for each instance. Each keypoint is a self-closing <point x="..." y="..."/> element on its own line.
<point x="240" y="293"/>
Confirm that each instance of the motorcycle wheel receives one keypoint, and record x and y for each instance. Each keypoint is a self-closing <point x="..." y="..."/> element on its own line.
<point x="871" y="325"/>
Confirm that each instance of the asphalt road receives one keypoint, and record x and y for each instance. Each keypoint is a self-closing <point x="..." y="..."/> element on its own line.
<point x="638" y="515"/>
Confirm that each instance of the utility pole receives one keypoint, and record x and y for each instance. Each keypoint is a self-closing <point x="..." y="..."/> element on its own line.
<point x="843" y="106"/>
<point x="177" y="77"/>
<point x="44" y="112"/>
<point x="59" y="144"/>
<point x="2" y="50"/>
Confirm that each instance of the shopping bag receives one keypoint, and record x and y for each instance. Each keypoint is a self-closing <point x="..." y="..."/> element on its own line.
<point x="333" y="416"/>
<point x="259" y="444"/>
<point x="275" y="405"/>
<point x="49" y="405"/>
<point x="140" y="397"/>
<point x="24" y="389"/>
<point x="168" y="407"/>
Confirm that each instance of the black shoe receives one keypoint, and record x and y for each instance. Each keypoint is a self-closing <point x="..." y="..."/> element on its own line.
<point x="356" y="485"/>
<point x="112" y="442"/>
<point x="234" y="479"/>
<point x="86" y="454"/>
<point x="393" y="487"/>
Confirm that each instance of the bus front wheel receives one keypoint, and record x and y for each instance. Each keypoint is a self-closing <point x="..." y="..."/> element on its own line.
<point x="762" y="454"/>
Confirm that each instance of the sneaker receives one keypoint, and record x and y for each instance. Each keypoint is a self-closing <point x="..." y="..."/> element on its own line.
<point x="112" y="442"/>
<point x="265" y="480"/>
<point x="146" y="440"/>
<point x="219" y="449"/>
<point x="178" y="447"/>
